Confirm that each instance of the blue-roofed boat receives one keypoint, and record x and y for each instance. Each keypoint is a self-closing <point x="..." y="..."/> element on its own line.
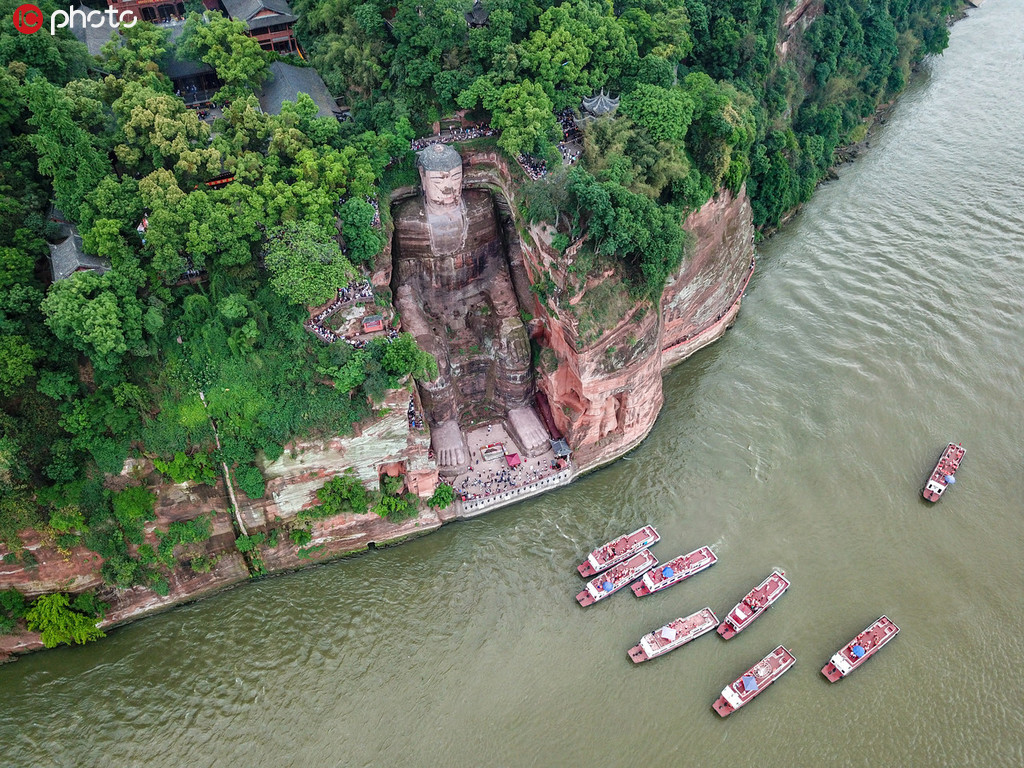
<point x="860" y="649"/>
<point x="752" y="682"/>
<point x="612" y="581"/>
<point x="944" y="473"/>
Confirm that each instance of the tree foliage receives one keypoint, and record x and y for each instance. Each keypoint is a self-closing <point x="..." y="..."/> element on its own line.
<point x="306" y="265"/>
<point x="57" y="621"/>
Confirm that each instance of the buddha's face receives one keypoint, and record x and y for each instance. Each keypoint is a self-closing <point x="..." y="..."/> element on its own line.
<point x="442" y="188"/>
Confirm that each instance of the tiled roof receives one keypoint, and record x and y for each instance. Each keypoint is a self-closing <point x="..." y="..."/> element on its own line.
<point x="286" y="82"/>
<point x="67" y="257"/>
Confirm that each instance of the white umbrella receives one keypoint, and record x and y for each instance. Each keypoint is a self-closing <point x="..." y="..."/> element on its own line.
<point x="668" y="633"/>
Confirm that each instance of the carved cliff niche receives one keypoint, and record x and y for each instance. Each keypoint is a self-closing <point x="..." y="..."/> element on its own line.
<point x="453" y="288"/>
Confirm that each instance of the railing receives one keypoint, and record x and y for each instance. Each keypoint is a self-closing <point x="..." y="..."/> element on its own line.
<point x="473" y="507"/>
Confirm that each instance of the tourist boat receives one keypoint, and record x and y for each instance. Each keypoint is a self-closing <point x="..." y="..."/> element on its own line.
<point x="617" y="550"/>
<point x="673" y="635"/>
<point x="612" y="581"/>
<point x="674" y="571"/>
<point x="943" y="474"/>
<point x="860" y="649"/>
<point x="753" y="681"/>
<point x="754" y="604"/>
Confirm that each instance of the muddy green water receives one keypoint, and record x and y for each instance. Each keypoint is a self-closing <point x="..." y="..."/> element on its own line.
<point x="886" y="319"/>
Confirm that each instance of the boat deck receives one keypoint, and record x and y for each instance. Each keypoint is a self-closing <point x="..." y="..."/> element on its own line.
<point x="947" y="465"/>
<point x="754" y="604"/>
<point x="675" y="634"/>
<point x="764" y="673"/>
<point x="612" y="581"/>
<point x="617" y="550"/>
<point x="845" y="660"/>
<point x="683" y="567"/>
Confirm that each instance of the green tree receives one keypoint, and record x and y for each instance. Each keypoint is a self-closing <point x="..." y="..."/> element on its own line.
<point x="306" y="266"/>
<point x="68" y="154"/>
<point x="363" y="241"/>
<point x="442" y="497"/>
<point x="137" y="51"/>
<point x="16" y="362"/>
<point x="57" y="622"/>
<point x="523" y="113"/>
<point x="224" y="45"/>
<point x="83" y="311"/>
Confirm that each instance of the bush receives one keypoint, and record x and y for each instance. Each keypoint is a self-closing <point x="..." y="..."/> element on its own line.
<point x="249" y="543"/>
<point x="300" y="536"/>
<point x="443" y="497"/>
<point x="343" y="493"/>
<point x="188" y="469"/>
<point x="57" y="622"/>
<point x="250" y="481"/>
<point x="202" y="564"/>
<point x="12" y="608"/>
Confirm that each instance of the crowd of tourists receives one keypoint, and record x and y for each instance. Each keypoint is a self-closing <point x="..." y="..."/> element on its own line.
<point x="376" y="212"/>
<point x="483" y="482"/>
<point x="360" y="291"/>
<point x="534" y="167"/>
<point x="453" y="135"/>
<point x="570" y="131"/>
<point x="415" y="418"/>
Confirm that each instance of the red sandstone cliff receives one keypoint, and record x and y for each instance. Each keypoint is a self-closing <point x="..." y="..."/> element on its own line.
<point x="606" y="393"/>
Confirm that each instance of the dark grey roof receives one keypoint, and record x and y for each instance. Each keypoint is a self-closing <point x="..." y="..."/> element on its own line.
<point x="67" y="257"/>
<point x="93" y="37"/>
<point x="286" y="82"/>
<point x="246" y="10"/>
<point x="560" y="448"/>
<point x="438" y="157"/>
<point x="601" y="104"/>
<point x="477" y="17"/>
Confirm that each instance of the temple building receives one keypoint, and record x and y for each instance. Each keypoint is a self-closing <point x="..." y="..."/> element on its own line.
<point x="600" y="105"/>
<point x="67" y="257"/>
<point x="269" y="22"/>
<point x="477" y="16"/>
<point x="286" y="82"/>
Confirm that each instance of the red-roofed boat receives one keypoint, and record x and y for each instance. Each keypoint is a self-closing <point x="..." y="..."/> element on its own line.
<point x="674" y="571"/>
<point x="617" y="550"/>
<point x="943" y="474"/>
<point x="675" y="634"/>
<point x="754" y="604"/>
<point x="612" y="581"/>
<point x="860" y="649"/>
<point x="753" y="681"/>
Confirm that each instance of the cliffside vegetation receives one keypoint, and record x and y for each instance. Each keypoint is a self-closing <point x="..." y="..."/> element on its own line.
<point x="145" y="360"/>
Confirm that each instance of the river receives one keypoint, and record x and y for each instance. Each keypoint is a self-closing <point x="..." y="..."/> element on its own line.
<point x="883" y="321"/>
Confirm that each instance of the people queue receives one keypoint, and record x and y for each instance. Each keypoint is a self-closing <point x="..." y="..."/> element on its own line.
<point x="452" y="135"/>
<point x="353" y="292"/>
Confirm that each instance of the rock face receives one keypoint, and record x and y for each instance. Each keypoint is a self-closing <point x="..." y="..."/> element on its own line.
<point x="461" y="307"/>
<point x="79" y="569"/>
<point x="605" y="394"/>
